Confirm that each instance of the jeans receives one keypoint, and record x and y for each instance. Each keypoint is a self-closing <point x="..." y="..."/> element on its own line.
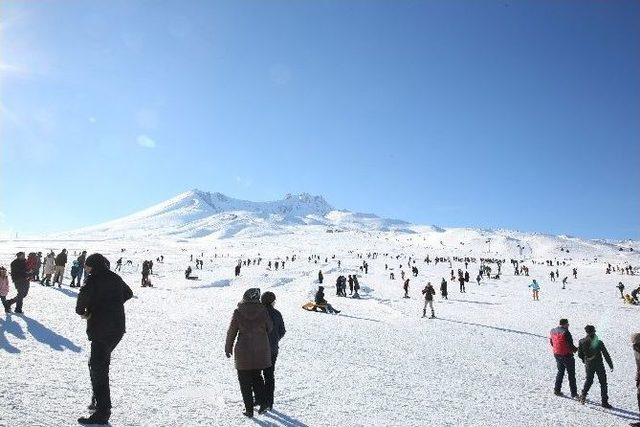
<point x="99" y="371"/>
<point x="23" y="290"/>
<point x="602" y="378"/>
<point x="567" y="363"/>
<point x="251" y="382"/>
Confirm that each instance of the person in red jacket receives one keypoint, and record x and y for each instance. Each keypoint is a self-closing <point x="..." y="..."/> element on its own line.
<point x="563" y="349"/>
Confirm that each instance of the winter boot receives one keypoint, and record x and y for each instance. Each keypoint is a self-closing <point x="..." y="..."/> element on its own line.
<point x="583" y="399"/>
<point x="606" y="405"/>
<point x="100" y="418"/>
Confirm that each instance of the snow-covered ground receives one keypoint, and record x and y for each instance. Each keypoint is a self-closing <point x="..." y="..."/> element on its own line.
<point x="485" y="360"/>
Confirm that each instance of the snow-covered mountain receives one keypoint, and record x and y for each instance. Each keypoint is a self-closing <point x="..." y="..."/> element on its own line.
<point x="200" y="214"/>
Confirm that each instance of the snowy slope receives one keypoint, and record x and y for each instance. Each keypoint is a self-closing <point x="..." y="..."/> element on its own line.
<point x="485" y="361"/>
<point x="196" y="214"/>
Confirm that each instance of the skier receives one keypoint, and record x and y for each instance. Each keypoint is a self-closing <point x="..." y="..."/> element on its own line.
<point x="443" y="288"/>
<point x="590" y="351"/>
<point x="20" y="278"/>
<point x="101" y="302"/>
<point x="563" y="349"/>
<point x="535" y="287"/>
<point x="268" y="299"/>
<point x="428" y="292"/>
<point x="406" y="288"/>
<point x="251" y="325"/>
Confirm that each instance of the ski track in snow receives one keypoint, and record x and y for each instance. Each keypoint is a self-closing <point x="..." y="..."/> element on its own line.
<point x="484" y="361"/>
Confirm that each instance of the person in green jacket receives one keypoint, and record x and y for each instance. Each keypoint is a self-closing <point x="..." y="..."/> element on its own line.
<point x="590" y="351"/>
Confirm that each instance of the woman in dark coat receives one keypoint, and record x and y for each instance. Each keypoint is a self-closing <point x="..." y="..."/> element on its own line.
<point x="268" y="300"/>
<point x="251" y="325"/>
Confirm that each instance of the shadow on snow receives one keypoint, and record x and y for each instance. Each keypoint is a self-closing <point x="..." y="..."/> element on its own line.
<point x="9" y="326"/>
<point x="40" y="332"/>
<point x="492" y="327"/>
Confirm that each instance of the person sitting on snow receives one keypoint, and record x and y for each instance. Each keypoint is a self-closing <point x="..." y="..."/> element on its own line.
<point x="322" y="303"/>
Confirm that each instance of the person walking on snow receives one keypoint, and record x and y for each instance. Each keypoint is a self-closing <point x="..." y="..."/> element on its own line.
<point x="20" y="278"/>
<point x="406" y="288"/>
<point x="428" y="292"/>
<point x="562" y="343"/>
<point x="621" y="289"/>
<point x="61" y="262"/>
<point x="535" y="287"/>
<point x="4" y="288"/>
<point x="590" y="351"/>
<point x="268" y="299"/>
<point x="101" y="302"/>
<point x="251" y="325"/>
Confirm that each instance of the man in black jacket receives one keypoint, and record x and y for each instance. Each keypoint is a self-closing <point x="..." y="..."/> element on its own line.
<point x="276" y="334"/>
<point x="20" y="278"/>
<point x="101" y="301"/>
<point x="591" y="350"/>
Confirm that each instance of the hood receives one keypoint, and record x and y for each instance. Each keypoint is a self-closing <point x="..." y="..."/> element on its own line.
<point x="250" y="310"/>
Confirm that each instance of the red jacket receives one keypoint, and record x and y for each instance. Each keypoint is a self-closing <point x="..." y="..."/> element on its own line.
<point x="562" y="341"/>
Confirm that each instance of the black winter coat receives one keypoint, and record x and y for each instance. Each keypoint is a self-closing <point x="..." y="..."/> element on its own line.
<point x="320" y="297"/>
<point x="61" y="259"/>
<point x="277" y="332"/>
<point x="19" y="270"/>
<point x="103" y="297"/>
<point x="591" y="350"/>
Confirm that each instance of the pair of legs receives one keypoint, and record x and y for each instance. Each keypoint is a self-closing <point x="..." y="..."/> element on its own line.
<point x="566" y="363"/>
<point x="602" y="378"/>
<point x="535" y="295"/>
<point x="269" y="382"/>
<point x="428" y="303"/>
<point x="99" y="362"/>
<point x="23" y="290"/>
<point x="251" y="383"/>
<point x="59" y="274"/>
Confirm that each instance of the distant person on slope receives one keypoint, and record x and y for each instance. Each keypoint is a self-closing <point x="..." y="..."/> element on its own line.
<point x="428" y="293"/>
<point x="590" y="351"/>
<point x="251" y="325"/>
<point x="621" y="289"/>
<point x="268" y="299"/>
<point x="20" y="278"/>
<point x="61" y="262"/>
<point x="320" y="277"/>
<point x="443" y="288"/>
<point x="535" y="287"/>
<point x="406" y="288"/>
<point x="101" y="301"/>
<point x="562" y="343"/>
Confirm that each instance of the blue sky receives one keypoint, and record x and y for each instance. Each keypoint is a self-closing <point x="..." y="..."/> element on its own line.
<point x="522" y="115"/>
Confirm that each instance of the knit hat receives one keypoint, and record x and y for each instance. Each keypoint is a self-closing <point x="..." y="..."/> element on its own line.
<point x="251" y="295"/>
<point x="268" y="298"/>
<point x="97" y="262"/>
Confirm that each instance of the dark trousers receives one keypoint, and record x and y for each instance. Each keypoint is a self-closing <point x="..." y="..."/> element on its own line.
<point x="99" y="371"/>
<point x="567" y="363"/>
<point x="23" y="290"/>
<point x="251" y="382"/>
<point x="269" y="382"/>
<point x="602" y="378"/>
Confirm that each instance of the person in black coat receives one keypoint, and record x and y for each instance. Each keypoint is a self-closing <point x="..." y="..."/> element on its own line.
<point x="276" y="334"/>
<point x="101" y="301"/>
<point x="20" y="278"/>
<point x="590" y="351"/>
<point x="319" y="300"/>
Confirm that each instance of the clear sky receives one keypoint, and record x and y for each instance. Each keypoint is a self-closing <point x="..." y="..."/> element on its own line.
<point x="509" y="114"/>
